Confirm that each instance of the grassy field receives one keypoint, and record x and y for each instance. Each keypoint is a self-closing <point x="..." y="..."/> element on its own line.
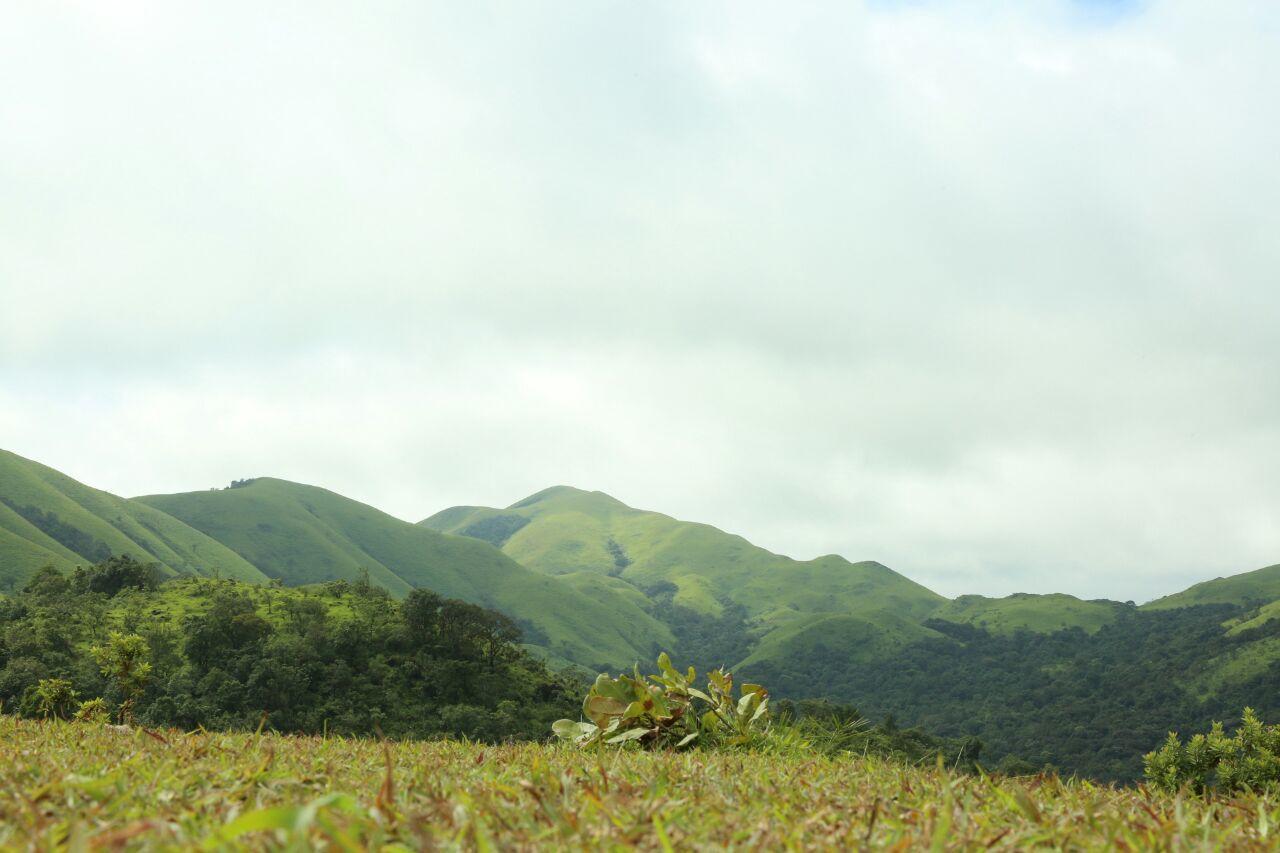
<point x="84" y="786"/>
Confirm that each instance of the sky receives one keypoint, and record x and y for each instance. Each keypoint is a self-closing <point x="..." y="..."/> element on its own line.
<point x="988" y="292"/>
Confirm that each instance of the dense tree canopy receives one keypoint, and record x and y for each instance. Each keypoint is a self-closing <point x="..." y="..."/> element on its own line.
<point x="343" y="657"/>
<point x="1090" y="704"/>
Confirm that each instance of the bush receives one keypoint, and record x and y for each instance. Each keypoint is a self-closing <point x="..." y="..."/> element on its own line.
<point x="1248" y="761"/>
<point x="54" y="697"/>
<point x="667" y="711"/>
<point x="93" y="711"/>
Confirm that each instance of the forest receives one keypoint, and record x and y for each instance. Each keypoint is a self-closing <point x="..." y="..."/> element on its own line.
<point x="1081" y="703"/>
<point x="343" y="657"/>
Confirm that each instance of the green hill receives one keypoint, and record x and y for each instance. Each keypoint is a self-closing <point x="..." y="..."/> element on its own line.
<point x="304" y="534"/>
<point x="1024" y="611"/>
<point x="707" y="585"/>
<point x="48" y="518"/>
<point x="1251" y="588"/>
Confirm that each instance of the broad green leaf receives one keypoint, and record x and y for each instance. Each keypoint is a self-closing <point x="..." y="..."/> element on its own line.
<point x="629" y="734"/>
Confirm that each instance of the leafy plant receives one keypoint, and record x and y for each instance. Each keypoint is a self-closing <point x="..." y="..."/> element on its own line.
<point x="668" y="711"/>
<point x="123" y="660"/>
<point x="93" y="711"/>
<point x="1248" y="761"/>
<point x="54" y="697"/>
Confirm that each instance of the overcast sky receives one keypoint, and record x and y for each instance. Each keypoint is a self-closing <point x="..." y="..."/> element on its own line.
<point x="988" y="292"/>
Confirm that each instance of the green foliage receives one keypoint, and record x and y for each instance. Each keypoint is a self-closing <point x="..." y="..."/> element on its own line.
<point x="1247" y="761"/>
<point x="123" y="659"/>
<point x="114" y="574"/>
<point x="55" y="697"/>
<point x="343" y="658"/>
<point x="830" y="728"/>
<point x="1088" y="703"/>
<point x="93" y="711"/>
<point x="667" y="711"/>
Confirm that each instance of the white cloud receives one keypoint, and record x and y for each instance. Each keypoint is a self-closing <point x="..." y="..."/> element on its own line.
<point x="984" y="292"/>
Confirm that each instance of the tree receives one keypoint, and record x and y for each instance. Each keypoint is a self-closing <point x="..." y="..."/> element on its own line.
<point x="116" y="573"/>
<point x="46" y="584"/>
<point x="420" y="611"/>
<point x="124" y="660"/>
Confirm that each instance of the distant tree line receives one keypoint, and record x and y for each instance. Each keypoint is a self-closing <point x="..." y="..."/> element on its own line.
<point x="344" y="658"/>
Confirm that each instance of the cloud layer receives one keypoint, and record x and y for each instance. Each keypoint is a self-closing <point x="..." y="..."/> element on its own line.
<point x="987" y="295"/>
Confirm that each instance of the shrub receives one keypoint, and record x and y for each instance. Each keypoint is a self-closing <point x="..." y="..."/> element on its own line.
<point x="93" y="711"/>
<point x="1248" y="761"/>
<point x="54" y="697"/>
<point x="667" y="711"/>
<point x="124" y="660"/>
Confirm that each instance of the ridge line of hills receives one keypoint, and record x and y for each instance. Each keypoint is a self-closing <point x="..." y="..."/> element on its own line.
<point x="574" y="551"/>
<point x="595" y="584"/>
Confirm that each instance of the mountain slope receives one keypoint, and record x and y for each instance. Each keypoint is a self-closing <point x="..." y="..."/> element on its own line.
<point x="304" y="534"/>
<point x="702" y="582"/>
<point x="562" y="530"/>
<point x="48" y="518"/>
<point x="1250" y="588"/>
<point x="1028" y="612"/>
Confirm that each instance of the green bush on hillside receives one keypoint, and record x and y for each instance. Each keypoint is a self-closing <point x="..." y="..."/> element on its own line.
<point x="1248" y="761"/>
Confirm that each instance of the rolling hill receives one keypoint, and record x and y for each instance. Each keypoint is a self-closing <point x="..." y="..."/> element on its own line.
<point x="598" y="584"/>
<point x="48" y="518"/>
<point x="1251" y="588"/>
<point x="701" y="580"/>
<point x="1028" y="612"/>
<point x="303" y="534"/>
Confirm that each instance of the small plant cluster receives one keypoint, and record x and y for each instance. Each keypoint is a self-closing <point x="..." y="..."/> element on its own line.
<point x="1249" y="761"/>
<point x="668" y="711"/>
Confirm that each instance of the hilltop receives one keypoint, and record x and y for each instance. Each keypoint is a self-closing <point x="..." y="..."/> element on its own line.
<point x="702" y="580"/>
<point x="1256" y="587"/>
<point x="47" y="518"/>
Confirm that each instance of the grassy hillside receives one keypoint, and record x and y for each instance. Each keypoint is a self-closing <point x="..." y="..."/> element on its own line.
<point x="846" y="638"/>
<point x="304" y="534"/>
<point x="566" y="531"/>
<point x="1023" y="611"/>
<point x="97" y="787"/>
<point x="48" y="518"/>
<point x="562" y="530"/>
<point x="1251" y="588"/>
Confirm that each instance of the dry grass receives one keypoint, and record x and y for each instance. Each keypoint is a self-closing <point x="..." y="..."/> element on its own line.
<point x="84" y="786"/>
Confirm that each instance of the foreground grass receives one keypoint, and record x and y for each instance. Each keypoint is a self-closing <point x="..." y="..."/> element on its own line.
<point x="84" y="786"/>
